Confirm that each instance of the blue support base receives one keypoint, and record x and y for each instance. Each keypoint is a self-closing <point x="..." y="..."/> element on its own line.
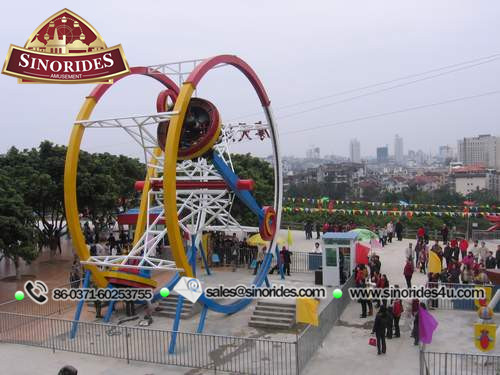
<point x="203" y="316"/>
<point x="192" y="255"/>
<point x="268" y="284"/>
<point x="110" y="309"/>
<point x="74" y="328"/>
<point x="175" y="329"/>
<point x="204" y="259"/>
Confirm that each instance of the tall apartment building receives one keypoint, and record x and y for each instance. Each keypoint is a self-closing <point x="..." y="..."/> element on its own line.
<point x="398" y="149"/>
<point x="313" y="153"/>
<point x="483" y="150"/>
<point x="355" y="151"/>
<point x="382" y="154"/>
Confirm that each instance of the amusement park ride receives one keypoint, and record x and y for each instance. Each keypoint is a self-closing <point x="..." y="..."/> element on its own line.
<point x="189" y="183"/>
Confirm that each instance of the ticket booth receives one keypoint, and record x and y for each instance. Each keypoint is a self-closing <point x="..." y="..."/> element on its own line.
<point x="339" y="257"/>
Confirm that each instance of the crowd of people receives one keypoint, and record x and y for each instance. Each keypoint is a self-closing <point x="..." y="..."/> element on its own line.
<point x="385" y="233"/>
<point x="386" y="323"/>
<point x="230" y="251"/>
<point x="318" y="228"/>
<point x="460" y="263"/>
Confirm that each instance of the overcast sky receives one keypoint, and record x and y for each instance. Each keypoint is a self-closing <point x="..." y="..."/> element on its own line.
<point x="302" y="50"/>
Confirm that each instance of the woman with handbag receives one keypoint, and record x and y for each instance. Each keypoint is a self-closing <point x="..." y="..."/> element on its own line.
<point x="379" y="329"/>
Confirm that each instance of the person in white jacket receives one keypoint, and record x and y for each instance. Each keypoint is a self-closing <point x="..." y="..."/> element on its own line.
<point x="390" y="231"/>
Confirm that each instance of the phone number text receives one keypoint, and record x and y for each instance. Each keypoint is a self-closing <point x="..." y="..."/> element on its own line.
<point x="90" y="294"/>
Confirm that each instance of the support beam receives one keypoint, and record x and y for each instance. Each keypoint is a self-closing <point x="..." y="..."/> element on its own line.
<point x="74" y="327"/>
<point x="203" y="316"/>
<point x="175" y="328"/>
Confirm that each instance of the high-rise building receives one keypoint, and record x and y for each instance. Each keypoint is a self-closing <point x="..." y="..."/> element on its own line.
<point x="355" y="151"/>
<point x="382" y="154"/>
<point x="445" y="152"/>
<point x="483" y="150"/>
<point x="313" y="152"/>
<point x="398" y="149"/>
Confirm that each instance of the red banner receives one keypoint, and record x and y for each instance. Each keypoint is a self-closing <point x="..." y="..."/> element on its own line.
<point x="98" y="66"/>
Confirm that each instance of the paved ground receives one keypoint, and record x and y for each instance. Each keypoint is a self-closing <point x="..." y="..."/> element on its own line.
<point x="345" y="348"/>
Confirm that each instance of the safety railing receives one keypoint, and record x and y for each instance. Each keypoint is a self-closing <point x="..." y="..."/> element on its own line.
<point x="436" y="363"/>
<point x="302" y="261"/>
<point x="312" y="337"/>
<point x="484" y="235"/>
<point x="236" y="355"/>
<point x="468" y="304"/>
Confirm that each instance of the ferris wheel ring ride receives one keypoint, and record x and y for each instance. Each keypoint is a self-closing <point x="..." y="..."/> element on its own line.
<point x="190" y="183"/>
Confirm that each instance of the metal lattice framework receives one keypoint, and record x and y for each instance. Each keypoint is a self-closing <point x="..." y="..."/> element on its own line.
<point x="199" y="210"/>
<point x="184" y="197"/>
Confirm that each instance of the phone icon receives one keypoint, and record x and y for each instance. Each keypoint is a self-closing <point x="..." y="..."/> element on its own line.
<point x="37" y="291"/>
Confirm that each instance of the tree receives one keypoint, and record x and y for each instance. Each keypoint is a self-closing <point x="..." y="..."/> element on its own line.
<point x="105" y="186"/>
<point x="16" y="236"/>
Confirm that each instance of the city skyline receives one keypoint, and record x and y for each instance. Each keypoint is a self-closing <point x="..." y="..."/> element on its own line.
<point x="345" y="97"/>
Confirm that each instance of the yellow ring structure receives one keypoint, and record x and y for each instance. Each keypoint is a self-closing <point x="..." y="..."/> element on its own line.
<point x="169" y="178"/>
<point x="70" y="199"/>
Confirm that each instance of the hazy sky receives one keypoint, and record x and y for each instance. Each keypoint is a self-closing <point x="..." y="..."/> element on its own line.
<point x="302" y="50"/>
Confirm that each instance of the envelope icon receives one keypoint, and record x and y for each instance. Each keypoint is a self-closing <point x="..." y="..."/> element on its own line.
<point x="189" y="287"/>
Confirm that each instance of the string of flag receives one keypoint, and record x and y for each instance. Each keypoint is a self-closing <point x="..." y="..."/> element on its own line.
<point x="393" y="212"/>
<point x="482" y="209"/>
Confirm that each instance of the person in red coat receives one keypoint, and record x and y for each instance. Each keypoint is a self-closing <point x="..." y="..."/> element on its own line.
<point x="463" y="246"/>
<point x="421" y="233"/>
<point x="408" y="272"/>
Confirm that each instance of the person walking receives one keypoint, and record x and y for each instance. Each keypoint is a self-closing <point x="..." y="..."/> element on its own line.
<point x="463" y="246"/>
<point x="444" y="233"/>
<point x="421" y="234"/>
<point x="483" y="252"/>
<point x="490" y="262"/>
<point x="497" y="256"/>
<point x="397" y="310"/>
<point x="418" y="247"/>
<point x="447" y="253"/>
<point x="380" y="328"/>
<point x="318" y="230"/>
<point x="399" y="230"/>
<point x="390" y="231"/>
<point x="260" y="258"/>
<point x="409" y="251"/>
<point x="287" y="260"/>
<point x="408" y="272"/>
<point x="415" y="332"/>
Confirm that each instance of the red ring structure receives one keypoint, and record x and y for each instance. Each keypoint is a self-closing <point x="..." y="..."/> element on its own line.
<point x="169" y="174"/>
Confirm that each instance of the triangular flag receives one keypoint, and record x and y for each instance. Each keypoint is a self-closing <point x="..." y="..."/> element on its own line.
<point x="426" y="325"/>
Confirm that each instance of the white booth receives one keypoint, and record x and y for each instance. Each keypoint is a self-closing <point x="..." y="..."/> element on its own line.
<point x="339" y="257"/>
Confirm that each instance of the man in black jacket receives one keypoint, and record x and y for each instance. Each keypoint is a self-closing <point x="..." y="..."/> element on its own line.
<point x="399" y="230"/>
<point x="379" y="328"/>
<point x="497" y="256"/>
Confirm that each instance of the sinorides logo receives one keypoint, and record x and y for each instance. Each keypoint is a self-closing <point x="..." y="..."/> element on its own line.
<point x="65" y="49"/>
<point x="190" y="288"/>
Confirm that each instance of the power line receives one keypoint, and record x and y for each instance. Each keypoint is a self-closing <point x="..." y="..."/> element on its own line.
<point x="403" y="110"/>
<point x="490" y="58"/>
<point x="382" y="90"/>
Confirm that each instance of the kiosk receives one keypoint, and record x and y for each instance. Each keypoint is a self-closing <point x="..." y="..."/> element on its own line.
<point x="339" y="257"/>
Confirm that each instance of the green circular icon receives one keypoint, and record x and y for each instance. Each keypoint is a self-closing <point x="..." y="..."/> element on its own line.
<point x="164" y="292"/>
<point x="19" y="295"/>
<point x="337" y="293"/>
